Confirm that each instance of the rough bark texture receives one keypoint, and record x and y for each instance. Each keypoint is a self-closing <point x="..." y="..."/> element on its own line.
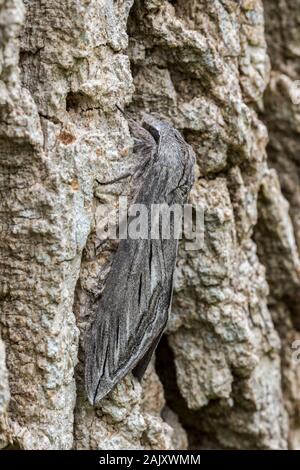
<point x="224" y="375"/>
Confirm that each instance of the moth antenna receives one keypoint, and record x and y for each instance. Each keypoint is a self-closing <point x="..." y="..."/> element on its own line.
<point x="136" y="129"/>
<point x="123" y="112"/>
<point x="127" y="116"/>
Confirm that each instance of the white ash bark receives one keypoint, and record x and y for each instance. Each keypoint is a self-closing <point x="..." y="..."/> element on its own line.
<point x="204" y="66"/>
<point x="279" y="227"/>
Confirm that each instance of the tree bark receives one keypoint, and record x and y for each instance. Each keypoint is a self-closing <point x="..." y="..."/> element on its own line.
<point x="223" y="73"/>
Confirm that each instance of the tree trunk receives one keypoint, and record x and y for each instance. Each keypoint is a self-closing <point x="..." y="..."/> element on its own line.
<point x="224" y="375"/>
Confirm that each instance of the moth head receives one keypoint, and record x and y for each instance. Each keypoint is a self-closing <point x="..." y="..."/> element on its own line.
<point x="155" y="127"/>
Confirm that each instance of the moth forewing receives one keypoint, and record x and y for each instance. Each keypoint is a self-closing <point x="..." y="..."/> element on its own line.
<point x="133" y="310"/>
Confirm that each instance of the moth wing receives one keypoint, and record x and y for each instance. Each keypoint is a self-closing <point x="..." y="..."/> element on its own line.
<point x="141" y="367"/>
<point x="133" y="309"/>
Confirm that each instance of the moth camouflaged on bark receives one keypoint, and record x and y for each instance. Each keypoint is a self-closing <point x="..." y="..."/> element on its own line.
<point x="133" y="310"/>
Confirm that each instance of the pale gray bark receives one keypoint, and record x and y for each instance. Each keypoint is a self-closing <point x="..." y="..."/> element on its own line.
<point x="224" y="373"/>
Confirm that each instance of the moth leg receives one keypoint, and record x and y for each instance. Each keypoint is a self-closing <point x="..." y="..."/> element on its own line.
<point x="119" y="178"/>
<point x="98" y="245"/>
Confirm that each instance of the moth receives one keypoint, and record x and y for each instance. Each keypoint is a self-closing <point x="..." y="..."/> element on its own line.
<point x="134" y="307"/>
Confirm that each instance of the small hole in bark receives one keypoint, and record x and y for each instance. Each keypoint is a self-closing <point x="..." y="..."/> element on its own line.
<point x="80" y="102"/>
<point x="73" y="101"/>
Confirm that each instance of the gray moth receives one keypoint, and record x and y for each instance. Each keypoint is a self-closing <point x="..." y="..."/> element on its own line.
<point x="133" y="310"/>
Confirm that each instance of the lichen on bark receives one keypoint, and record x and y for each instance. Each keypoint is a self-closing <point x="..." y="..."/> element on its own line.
<point x="222" y="73"/>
